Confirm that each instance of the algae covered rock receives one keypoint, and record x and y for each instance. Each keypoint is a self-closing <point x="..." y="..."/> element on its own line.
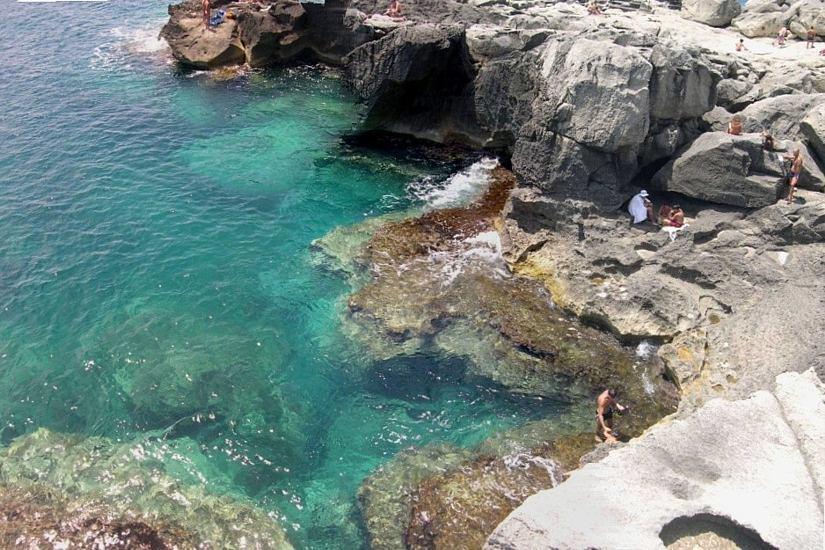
<point x="459" y="509"/>
<point x="385" y="497"/>
<point x="154" y="489"/>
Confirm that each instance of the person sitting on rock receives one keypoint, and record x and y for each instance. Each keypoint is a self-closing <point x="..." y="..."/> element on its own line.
<point x="796" y="171"/>
<point x="811" y="38"/>
<point x="394" y="9"/>
<point x="768" y="143"/>
<point x="593" y="8"/>
<point x="676" y="217"/>
<point x="735" y="126"/>
<point x="640" y="208"/>
<point x="606" y="407"/>
<point x="781" y="37"/>
<point x="740" y="46"/>
<point x="664" y="214"/>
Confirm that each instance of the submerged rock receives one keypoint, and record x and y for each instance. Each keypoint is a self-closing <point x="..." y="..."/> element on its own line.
<point x="385" y="497"/>
<point x="460" y="508"/>
<point x="96" y="488"/>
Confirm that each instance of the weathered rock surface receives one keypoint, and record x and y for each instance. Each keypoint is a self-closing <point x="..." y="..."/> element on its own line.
<point x="264" y="34"/>
<point x="725" y="169"/>
<point x="781" y="115"/>
<point x="813" y="128"/>
<point x="766" y="17"/>
<point x="706" y="467"/>
<point x="716" y="13"/>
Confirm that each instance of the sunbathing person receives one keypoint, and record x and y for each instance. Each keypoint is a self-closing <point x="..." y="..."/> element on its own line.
<point x="394" y="9"/>
<point x="593" y="8"/>
<point x="676" y="217"/>
<point x="768" y="142"/>
<point x="781" y="37"/>
<point x="735" y="126"/>
<point x="740" y="46"/>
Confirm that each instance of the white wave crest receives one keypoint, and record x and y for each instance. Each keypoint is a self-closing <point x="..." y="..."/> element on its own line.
<point x="127" y="43"/>
<point x="458" y="190"/>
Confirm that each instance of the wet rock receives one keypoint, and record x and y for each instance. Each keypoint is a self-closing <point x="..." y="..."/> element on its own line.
<point x="700" y="466"/>
<point x="109" y="487"/>
<point x="385" y="497"/>
<point x="430" y="289"/>
<point x="716" y="13"/>
<point x="459" y="509"/>
<point x="724" y="169"/>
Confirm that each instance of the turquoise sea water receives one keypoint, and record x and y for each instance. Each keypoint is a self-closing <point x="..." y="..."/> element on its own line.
<point x="156" y="273"/>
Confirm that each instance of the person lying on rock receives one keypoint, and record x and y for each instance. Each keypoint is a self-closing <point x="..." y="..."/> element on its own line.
<point x="640" y="208"/>
<point x="394" y="9"/>
<point x="606" y="408"/>
<point x="735" y="126"/>
<point x="796" y="170"/>
<point x="740" y="46"/>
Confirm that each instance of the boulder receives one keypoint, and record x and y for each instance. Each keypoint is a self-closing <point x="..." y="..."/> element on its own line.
<point x="716" y="13"/>
<point x="724" y="169"/>
<point x="805" y="14"/>
<point x="760" y="18"/>
<point x="706" y="476"/>
<point x="781" y="115"/>
<point x="682" y="84"/>
<point x="813" y="128"/>
<point x="595" y="93"/>
<point x="196" y="46"/>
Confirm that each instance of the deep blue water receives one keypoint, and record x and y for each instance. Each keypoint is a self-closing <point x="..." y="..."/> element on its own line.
<point x="156" y="271"/>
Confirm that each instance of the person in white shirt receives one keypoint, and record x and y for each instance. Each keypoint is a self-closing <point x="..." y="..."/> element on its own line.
<point x="640" y="208"/>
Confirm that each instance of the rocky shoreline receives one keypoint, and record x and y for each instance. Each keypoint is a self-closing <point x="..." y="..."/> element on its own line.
<point x="588" y="109"/>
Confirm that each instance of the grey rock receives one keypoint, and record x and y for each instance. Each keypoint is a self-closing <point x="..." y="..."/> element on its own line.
<point x="725" y="169"/>
<point x="717" y="119"/>
<point x="780" y="115"/>
<point x="813" y="128"/>
<point x="716" y="13"/>
<point x="733" y="94"/>
<point x="702" y="467"/>
<point x="682" y="85"/>
<point x="595" y="93"/>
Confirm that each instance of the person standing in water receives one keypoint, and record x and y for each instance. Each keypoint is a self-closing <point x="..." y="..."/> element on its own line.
<point x="606" y="407"/>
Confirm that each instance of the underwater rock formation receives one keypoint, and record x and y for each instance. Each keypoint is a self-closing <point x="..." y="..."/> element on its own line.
<point x="66" y="488"/>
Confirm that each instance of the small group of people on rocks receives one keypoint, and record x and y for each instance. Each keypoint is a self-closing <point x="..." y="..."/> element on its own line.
<point x="782" y="37"/>
<point x="641" y="210"/>
<point x="794" y="158"/>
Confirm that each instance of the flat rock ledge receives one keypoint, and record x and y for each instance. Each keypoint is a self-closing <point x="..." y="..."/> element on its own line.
<point x="748" y="471"/>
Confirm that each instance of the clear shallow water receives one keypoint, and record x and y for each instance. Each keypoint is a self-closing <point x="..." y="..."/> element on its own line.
<point x="156" y="273"/>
